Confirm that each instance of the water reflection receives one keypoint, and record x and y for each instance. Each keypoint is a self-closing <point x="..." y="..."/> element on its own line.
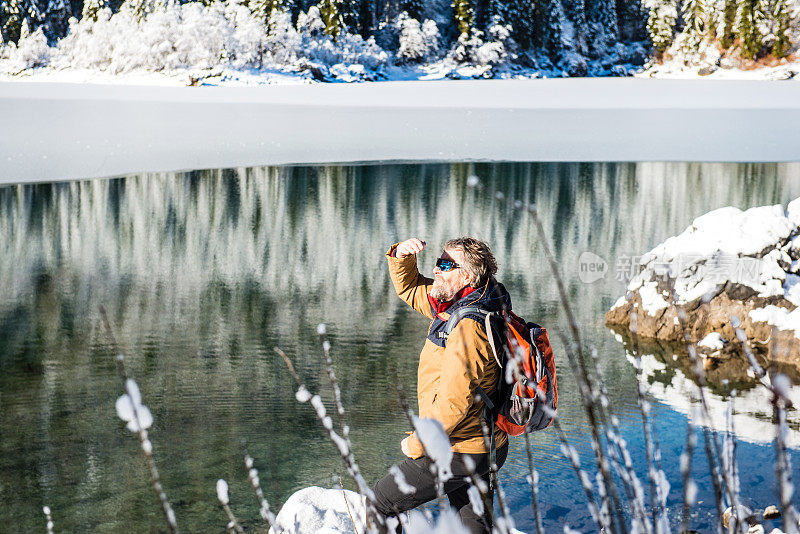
<point x="666" y="372"/>
<point x="203" y="273"/>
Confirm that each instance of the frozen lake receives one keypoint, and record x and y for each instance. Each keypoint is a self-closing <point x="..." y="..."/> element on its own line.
<point x="70" y="131"/>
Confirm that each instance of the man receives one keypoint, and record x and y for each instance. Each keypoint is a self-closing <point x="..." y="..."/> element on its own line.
<point x="449" y="371"/>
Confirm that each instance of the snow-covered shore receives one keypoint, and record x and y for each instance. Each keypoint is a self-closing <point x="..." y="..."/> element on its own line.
<point x="67" y="131"/>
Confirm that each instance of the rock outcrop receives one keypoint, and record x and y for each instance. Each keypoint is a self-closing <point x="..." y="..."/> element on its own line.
<point x="728" y="263"/>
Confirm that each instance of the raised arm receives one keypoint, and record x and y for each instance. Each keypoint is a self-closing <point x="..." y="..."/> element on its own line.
<point x="409" y="284"/>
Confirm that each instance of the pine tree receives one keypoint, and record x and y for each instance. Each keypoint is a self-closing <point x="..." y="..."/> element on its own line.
<point x="749" y="13"/>
<point x="139" y="9"/>
<point x="632" y="20"/>
<point x="694" y="16"/>
<point x="464" y="17"/>
<point x="661" y="22"/>
<point x="781" y="16"/>
<point x="350" y="13"/>
<point x="331" y="16"/>
<point x="414" y="8"/>
<point x="554" y="30"/>
<point x="577" y="15"/>
<point x="91" y="8"/>
<point x="263" y="8"/>
<point x="523" y="15"/>
<point x="57" y="19"/>
<point x="367" y="21"/>
<point x="10" y="20"/>
<point x="603" y="25"/>
<point x="725" y="24"/>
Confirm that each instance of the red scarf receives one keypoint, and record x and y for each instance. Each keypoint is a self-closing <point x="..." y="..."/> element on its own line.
<point x="439" y="307"/>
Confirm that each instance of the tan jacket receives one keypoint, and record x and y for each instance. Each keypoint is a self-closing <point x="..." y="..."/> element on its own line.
<point x="448" y="376"/>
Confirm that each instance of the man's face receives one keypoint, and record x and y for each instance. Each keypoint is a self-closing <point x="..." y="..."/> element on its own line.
<point x="447" y="283"/>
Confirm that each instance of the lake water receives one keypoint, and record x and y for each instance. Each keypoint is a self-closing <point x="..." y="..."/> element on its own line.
<point x="204" y="272"/>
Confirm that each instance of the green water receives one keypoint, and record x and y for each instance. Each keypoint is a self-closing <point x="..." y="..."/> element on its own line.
<point x="204" y="273"/>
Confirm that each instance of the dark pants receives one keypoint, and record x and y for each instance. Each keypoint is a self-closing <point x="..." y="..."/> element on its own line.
<point x="390" y="500"/>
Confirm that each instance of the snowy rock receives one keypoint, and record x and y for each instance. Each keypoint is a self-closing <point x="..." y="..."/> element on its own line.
<point x="727" y="263"/>
<point x="712" y="341"/>
<point x="314" y="509"/>
<point x="744" y="513"/>
<point x="771" y="512"/>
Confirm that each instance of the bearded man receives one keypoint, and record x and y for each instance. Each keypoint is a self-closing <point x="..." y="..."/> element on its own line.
<point x="452" y="368"/>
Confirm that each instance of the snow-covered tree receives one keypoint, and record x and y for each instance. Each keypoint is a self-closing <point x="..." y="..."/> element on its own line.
<point x="414" y="8"/>
<point x="329" y="12"/>
<point x="282" y="43"/>
<point x="57" y="18"/>
<point x="10" y="20"/>
<point x="749" y="15"/>
<point x="418" y="42"/>
<point x="262" y="9"/>
<point x="138" y="9"/>
<point x="554" y="29"/>
<point x="632" y="20"/>
<point x="523" y="16"/>
<point x="91" y="8"/>
<point x="725" y="19"/>
<point x="464" y="17"/>
<point x="310" y="24"/>
<point x="603" y="25"/>
<point x="661" y="22"/>
<point x="694" y="16"/>
<point x="782" y="22"/>
<point x="575" y="11"/>
<point x="350" y="14"/>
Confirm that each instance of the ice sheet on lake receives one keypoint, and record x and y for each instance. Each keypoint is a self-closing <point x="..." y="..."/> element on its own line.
<point x="68" y="131"/>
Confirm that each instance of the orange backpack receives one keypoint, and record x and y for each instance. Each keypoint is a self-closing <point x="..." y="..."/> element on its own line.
<point x="528" y="401"/>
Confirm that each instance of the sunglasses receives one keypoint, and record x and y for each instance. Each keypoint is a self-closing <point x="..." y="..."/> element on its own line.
<point x="446" y="265"/>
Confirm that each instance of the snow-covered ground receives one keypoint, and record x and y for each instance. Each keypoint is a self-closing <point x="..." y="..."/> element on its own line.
<point x="68" y="131"/>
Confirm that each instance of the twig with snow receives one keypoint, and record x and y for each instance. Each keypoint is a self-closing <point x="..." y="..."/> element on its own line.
<point x="783" y="467"/>
<point x="46" y="512"/>
<point x="587" y="397"/>
<point x="337" y="392"/>
<point x="584" y="382"/>
<point x="689" y="492"/>
<point x="647" y="425"/>
<point x="505" y="524"/>
<point x="433" y="443"/>
<point x="374" y="519"/>
<point x="533" y="481"/>
<point x="130" y="408"/>
<point x="723" y="486"/>
<point x="255" y="482"/>
<point x="224" y="500"/>
<point x="780" y="402"/>
<point x="729" y="452"/>
<point x="620" y="456"/>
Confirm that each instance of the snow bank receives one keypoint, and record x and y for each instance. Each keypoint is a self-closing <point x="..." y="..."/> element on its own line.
<point x="322" y="510"/>
<point x="316" y="510"/>
<point x="63" y="131"/>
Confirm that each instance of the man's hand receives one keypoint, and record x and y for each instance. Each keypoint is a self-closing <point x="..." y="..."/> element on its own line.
<point x="404" y="446"/>
<point x="409" y="246"/>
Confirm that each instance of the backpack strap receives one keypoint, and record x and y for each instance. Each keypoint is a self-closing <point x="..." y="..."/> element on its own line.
<point x="488" y="405"/>
<point x="460" y="313"/>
